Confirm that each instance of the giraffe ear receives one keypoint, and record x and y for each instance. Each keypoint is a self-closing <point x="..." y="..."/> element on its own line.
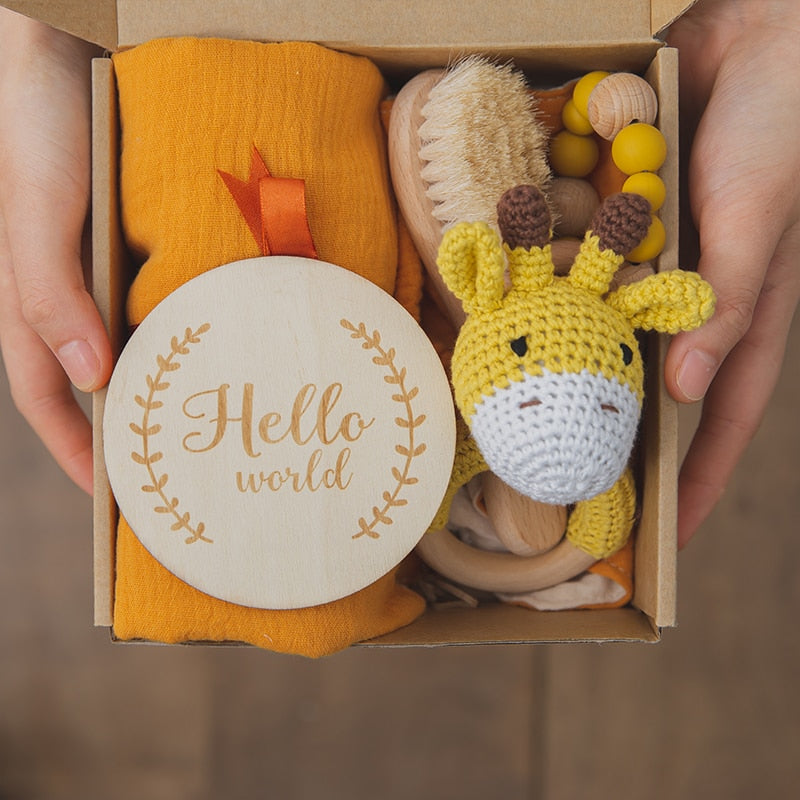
<point x="472" y="263"/>
<point x="667" y="302"/>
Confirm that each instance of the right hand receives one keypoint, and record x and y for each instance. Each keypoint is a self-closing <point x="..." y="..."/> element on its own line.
<point x="741" y="100"/>
<point x="51" y="334"/>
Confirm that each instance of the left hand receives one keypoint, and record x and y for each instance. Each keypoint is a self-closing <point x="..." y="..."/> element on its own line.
<point x="51" y="334"/>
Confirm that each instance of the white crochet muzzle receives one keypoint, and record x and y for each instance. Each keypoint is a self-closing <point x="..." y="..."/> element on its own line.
<point x="558" y="437"/>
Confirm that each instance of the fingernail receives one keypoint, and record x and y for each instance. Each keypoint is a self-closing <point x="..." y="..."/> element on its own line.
<point x="81" y="364"/>
<point x="695" y="374"/>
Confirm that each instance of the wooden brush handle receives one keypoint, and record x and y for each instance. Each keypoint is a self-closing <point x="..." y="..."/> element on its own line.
<point x="410" y="188"/>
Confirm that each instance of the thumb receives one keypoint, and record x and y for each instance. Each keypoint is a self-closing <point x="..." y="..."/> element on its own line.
<point x="735" y="267"/>
<point x="740" y="227"/>
<point x="44" y="198"/>
<point x="55" y="303"/>
<point x="44" y="215"/>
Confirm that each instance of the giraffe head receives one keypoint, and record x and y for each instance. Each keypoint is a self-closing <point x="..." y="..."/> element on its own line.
<point x="547" y="372"/>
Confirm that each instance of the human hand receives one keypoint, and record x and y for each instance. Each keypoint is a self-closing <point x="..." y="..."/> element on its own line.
<point x="739" y="62"/>
<point x="50" y="330"/>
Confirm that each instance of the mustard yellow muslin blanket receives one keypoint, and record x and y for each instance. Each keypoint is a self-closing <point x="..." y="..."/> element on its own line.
<point x="190" y="108"/>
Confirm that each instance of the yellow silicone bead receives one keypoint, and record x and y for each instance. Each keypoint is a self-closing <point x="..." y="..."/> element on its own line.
<point x="574" y="121"/>
<point x="651" y="245"/>
<point x="573" y="156"/>
<point x="649" y="186"/>
<point x="639" y="147"/>
<point x="583" y="88"/>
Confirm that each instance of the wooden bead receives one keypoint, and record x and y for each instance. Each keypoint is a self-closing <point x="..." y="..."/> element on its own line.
<point x="630" y="273"/>
<point x="618" y="100"/>
<point x="575" y="202"/>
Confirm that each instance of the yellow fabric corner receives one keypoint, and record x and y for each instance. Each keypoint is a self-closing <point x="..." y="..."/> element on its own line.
<point x="188" y="108"/>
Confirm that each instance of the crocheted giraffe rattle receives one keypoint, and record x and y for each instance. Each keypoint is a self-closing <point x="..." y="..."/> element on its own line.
<point x="549" y="379"/>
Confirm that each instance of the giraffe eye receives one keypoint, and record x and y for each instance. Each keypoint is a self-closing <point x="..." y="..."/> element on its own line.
<point x="520" y="346"/>
<point x="627" y="354"/>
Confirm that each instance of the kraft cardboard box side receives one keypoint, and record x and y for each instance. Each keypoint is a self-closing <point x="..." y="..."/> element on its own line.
<point x="419" y="32"/>
<point x="563" y="48"/>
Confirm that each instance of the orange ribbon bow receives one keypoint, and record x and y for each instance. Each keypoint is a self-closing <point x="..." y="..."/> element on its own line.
<point x="274" y="209"/>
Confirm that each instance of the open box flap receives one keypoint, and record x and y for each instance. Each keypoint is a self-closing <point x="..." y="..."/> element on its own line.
<point x="664" y="12"/>
<point x="95" y="22"/>
<point x="456" y="24"/>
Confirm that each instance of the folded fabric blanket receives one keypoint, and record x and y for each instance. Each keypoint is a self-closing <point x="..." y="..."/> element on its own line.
<point x="189" y="110"/>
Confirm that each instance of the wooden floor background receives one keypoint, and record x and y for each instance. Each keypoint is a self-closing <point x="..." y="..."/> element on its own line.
<point x="713" y="711"/>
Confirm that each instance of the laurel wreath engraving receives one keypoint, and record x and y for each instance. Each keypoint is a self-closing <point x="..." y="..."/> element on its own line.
<point x="409" y="423"/>
<point x="147" y="458"/>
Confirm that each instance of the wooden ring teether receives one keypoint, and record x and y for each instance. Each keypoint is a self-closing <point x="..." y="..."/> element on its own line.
<point x="501" y="572"/>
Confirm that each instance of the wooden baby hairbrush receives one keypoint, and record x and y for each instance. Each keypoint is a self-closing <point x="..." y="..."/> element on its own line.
<point x="458" y="138"/>
<point x="410" y="188"/>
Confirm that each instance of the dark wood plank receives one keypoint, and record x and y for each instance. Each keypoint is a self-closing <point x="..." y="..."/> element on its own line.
<point x="444" y="723"/>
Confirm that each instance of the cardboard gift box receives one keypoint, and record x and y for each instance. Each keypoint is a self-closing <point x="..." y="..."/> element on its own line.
<point x="553" y="42"/>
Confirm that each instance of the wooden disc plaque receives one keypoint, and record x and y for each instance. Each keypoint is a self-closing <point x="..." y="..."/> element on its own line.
<point x="279" y="432"/>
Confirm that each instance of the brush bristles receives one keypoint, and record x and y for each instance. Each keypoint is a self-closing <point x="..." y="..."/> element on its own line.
<point x="480" y="136"/>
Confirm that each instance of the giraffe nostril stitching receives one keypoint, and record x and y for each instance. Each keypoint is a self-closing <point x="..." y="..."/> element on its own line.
<point x="609" y="407"/>
<point x="535" y="401"/>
